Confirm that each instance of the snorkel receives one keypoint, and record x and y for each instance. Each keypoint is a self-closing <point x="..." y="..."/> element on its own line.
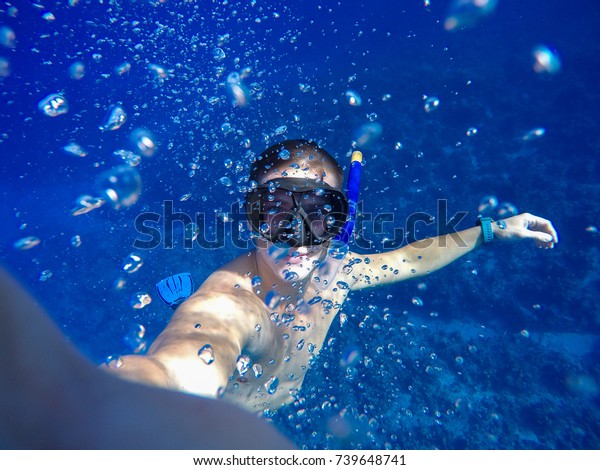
<point x="338" y="247"/>
<point x="352" y="190"/>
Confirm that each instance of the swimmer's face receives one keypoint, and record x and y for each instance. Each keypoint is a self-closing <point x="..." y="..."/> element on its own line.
<point x="288" y="263"/>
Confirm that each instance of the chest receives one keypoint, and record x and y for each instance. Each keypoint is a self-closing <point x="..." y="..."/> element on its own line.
<point x="271" y="376"/>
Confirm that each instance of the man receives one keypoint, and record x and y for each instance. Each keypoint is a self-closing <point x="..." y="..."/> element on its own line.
<point x="248" y="334"/>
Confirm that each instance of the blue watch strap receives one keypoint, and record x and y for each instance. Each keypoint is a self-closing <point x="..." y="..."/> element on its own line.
<point x="486" y="229"/>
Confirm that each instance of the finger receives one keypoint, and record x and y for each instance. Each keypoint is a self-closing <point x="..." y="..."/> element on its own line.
<point x="542" y="237"/>
<point x="545" y="245"/>
<point x="539" y="224"/>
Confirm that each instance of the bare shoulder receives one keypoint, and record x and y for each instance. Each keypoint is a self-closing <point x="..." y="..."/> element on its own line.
<point x="227" y="291"/>
<point x="234" y="276"/>
<point x="224" y="303"/>
<point x="223" y="314"/>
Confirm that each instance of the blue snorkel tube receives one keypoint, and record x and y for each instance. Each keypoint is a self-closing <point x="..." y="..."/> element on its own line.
<point x="352" y="190"/>
<point x="338" y="248"/>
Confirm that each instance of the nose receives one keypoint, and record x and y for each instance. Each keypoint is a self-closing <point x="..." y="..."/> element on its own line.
<point x="298" y="231"/>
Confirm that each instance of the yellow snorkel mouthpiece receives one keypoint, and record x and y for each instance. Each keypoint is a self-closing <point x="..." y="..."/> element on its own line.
<point x="356" y="156"/>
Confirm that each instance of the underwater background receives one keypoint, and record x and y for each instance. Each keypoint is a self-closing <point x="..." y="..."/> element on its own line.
<point x="491" y="106"/>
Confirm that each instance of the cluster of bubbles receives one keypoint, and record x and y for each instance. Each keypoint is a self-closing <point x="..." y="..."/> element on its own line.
<point x="431" y="103"/>
<point x="468" y="13"/>
<point x="489" y="206"/>
<point x="120" y="186"/>
<point x="135" y="339"/>
<point x="366" y="134"/>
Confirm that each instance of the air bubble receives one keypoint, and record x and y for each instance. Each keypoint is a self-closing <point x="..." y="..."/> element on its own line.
<point x="367" y="133"/>
<point x="8" y="38"/>
<point x="128" y="157"/>
<point x="243" y="364"/>
<point x="76" y="241"/>
<point x="237" y="90"/>
<point x="271" y="385"/>
<point x="132" y="263"/>
<point x="73" y="148"/>
<point x="545" y="60"/>
<point x="431" y="103"/>
<point x="272" y="299"/>
<point x="122" y="68"/>
<point x="121" y="186"/>
<point x="468" y="13"/>
<point x="534" y="134"/>
<point x="77" y="70"/>
<point x="353" y="98"/>
<point x="218" y="54"/>
<point x="506" y="209"/>
<point x="487" y="204"/>
<point x="256" y="281"/>
<point x="85" y="204"/>
<point x="27" y="243"/>
<point x="54" y="105"/>
<point x="135" y="338"/>
<point x="115" y="118"/>
<point x="207" y="354"/>
<point x="144" y="141"/>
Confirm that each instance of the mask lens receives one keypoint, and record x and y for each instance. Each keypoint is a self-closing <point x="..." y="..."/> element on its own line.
<point x="326" y="212"/>
<point x="298" y="217"/>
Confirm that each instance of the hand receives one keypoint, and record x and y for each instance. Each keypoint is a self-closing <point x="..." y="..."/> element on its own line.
<point x="526" y="226"/>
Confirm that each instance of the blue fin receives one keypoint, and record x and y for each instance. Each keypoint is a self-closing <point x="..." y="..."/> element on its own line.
<point x="175" y="289"/>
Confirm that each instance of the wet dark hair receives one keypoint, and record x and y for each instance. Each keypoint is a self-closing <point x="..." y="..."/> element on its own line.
<point x="304" y="153"/>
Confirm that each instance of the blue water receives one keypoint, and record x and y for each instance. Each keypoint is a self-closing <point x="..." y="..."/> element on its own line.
<point x="523" y="323"/>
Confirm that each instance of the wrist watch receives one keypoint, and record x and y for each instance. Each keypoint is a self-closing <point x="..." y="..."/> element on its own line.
<point x="486" y="229"/>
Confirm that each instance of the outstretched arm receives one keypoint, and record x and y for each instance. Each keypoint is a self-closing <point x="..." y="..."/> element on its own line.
<point x="51" y="397"/>
<point x="425" y="256"/>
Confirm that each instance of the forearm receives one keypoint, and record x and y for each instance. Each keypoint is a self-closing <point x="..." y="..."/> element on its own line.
<point x="431" y="254"/>
<point x="193" y="363"/>
<point x="416" y="259"/>
<point x="141" y="369"/>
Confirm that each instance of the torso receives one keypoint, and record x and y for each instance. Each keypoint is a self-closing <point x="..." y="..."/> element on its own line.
<point x="296" y="336"/>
